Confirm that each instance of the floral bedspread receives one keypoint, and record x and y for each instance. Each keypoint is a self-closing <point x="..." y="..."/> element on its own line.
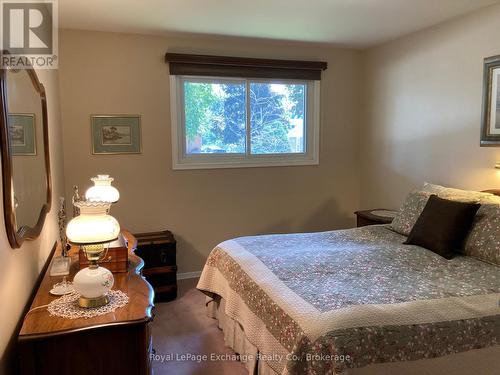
<point x="322" y="302"/>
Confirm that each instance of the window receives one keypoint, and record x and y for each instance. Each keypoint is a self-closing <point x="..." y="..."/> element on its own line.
<point x="228" y="121"/>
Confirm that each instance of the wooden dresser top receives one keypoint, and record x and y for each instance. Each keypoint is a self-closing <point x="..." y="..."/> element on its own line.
<point x="38" y="323"/>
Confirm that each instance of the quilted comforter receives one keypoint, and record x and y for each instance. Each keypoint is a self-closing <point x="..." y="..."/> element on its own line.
<point x="323" y="302"/>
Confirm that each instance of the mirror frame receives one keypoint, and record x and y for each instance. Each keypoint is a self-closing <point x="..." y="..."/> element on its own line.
<point x="18" y="236"/>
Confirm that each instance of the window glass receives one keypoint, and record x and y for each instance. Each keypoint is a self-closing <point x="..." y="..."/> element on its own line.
<point x="277" y="118"/>
<point x="215" y="117"/>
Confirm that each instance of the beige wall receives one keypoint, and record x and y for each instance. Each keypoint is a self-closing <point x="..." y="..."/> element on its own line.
<point x="107" y="73"/>
<point x="422" y="101"/>
<point x="19" y="268"/>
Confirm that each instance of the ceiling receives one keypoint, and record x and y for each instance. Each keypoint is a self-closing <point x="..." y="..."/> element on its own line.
<point x="356" y="23"/>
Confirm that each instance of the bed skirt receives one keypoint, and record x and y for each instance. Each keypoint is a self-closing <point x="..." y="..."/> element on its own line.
<point x="235" y="338"/>
<point x="484" y="361"/>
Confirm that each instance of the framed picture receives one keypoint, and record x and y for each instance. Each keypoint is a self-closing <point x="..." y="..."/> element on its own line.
<point x="116" y="134"/>
<point x="22" y="136"/>
<point x="490" y="124"/>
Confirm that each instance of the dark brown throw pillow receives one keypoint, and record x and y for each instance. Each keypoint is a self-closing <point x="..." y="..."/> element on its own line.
<point x="443" y="225"/>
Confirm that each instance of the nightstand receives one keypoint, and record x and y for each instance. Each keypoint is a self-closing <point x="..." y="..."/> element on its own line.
<point x="373" y="217"/>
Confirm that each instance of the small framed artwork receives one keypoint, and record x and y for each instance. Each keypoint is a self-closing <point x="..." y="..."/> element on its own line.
<point x="22" y="135"/>
<point x="490" y="124"/>
<point x="116" y="134"/>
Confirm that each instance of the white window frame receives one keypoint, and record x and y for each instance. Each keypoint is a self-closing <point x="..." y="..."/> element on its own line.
<point x="181" y="160"/>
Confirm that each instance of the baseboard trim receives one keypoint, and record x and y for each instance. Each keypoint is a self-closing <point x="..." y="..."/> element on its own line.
<point x="188" y="275"/>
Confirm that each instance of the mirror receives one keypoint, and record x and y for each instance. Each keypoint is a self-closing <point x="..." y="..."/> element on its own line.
<point x="25" y="154"/>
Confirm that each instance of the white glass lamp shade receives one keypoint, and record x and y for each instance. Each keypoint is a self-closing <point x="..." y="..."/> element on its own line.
<point x="93" y="225"/>
<point x="102" y="191"/>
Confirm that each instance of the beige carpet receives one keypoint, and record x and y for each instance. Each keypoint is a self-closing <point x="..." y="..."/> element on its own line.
<point x="182" y="328"/>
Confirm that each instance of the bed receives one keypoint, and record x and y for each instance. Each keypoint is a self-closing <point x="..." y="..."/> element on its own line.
<point x="353" y="301"/>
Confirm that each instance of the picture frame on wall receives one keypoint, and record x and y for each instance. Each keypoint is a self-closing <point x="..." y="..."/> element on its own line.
<point x="490" y="122"/>
<point x="22" y="134"/>
<point x="116" y="134"/>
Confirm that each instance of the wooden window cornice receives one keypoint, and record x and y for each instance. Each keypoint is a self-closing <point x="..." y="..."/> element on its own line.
<point x="226" y="66"/>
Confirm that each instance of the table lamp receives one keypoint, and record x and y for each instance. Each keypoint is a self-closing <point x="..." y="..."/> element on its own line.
<point x="102" y="191"/>
<point x="92" y="230"/>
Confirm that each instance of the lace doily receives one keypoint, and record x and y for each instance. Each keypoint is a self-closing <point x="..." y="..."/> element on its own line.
<point x="67" y="306"/>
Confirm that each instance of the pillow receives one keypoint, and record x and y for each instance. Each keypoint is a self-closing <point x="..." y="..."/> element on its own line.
<point x="443" y="226"/>
<point x="483" y="241"/>
<point x="409" y="212"/>
<point x="415" y="202"/>
<point x="455" y="194"/>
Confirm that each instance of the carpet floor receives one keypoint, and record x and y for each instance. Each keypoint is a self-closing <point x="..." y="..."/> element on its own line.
<point x="182" y="333"/>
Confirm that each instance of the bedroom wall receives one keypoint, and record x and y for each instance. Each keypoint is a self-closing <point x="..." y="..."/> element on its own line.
<point x="422" y="110"/>
<point x="111" y="73"/>
<point x="20" y="268"/>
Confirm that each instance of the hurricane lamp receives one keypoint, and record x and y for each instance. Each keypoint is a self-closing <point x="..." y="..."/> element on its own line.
<point x="92" y="230"/>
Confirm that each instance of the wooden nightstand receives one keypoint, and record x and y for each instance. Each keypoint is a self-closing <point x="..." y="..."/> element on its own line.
<point x="373" y="217"/>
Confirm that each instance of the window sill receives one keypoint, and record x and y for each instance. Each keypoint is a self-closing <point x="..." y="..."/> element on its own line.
<point x="245" y="163"/>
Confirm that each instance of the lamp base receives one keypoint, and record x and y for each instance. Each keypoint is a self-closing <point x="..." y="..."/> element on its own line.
<point x="93" y="284"/>
<point x="93" y="302"/>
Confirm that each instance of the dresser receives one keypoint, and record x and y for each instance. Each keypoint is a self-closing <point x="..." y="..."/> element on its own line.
<point x="114" y="343"/>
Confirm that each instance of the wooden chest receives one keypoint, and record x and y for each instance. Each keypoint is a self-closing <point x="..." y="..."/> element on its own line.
<point x="158" y="250"/>
<point x="116" y="259"/>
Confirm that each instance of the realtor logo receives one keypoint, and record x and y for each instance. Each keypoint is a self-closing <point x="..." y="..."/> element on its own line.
<point x="29" y="34"/>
